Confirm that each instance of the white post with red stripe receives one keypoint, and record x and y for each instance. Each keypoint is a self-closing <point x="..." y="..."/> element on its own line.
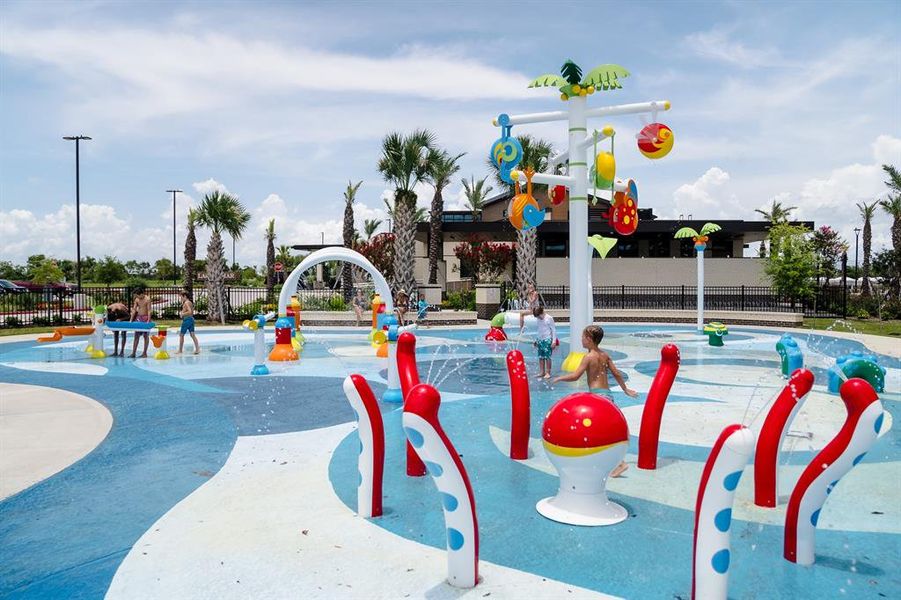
<point x="713" y="512"/>
<point x="371" y="461"/>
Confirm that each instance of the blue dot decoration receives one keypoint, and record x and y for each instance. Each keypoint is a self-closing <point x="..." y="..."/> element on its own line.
<point x="878" y="424"/>
<point x="831" y="487"/>
<point x="449" y="501"/>
<point x="814" y="517"/>
<point x="454" y="539"/>
<point x="720" y="561"/>
<point x="730" y="482"/>
<point x="435" y="469"/>
<point x="858" y="458"/>
<point x="723" y="519"/>
<point x="415" y="437"/>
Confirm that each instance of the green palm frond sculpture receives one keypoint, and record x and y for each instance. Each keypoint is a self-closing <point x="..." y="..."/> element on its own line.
<point x="698" y="238"/>
<point x="603" y="77"/>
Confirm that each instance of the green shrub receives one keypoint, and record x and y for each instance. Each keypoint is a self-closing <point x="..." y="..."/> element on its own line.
<point x="13" y="322"/>
<point x="337" y="303"/>
<point x="40" y="321"/>
<point x="463" y="300"/>
<point x="77" y="318"/>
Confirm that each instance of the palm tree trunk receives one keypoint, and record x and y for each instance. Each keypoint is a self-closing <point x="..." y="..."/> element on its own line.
<point x="526" y="252"/>
<point x="435" y="235"/>
<point x="190" y="256"/>
<point x="867" y="247"/>
<point x="404" y="241"/>
<point x="270" y="270"/>
<point x="215" y="278"/>
<point x="347" y="279"/>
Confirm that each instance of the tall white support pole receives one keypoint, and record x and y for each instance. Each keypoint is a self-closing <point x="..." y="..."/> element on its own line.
<point x="580" y="305"/>
<point x="700" y="290"/>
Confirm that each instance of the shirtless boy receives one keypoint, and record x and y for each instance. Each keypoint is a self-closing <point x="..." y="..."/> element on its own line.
<point x="118" y="312"/>
<point x="595" y="365"/>
<point x="140" y="311"/>
<point x="187" y="323"/>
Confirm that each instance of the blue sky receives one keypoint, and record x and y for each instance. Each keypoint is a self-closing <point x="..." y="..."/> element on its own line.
<point x="282" y="103"/>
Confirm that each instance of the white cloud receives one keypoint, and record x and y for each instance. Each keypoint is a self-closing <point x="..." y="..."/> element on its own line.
<point x="721" y="45"/>
<point x="708" y="196"/>
<point x="209" y="186"/>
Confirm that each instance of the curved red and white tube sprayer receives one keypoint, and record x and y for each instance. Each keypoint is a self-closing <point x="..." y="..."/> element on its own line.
<point x="775" y="427"/>
<point x="409" y="378"/>
<point x="649" y="433"/>
<point x="424" y="432"/>
<point x="847" y="448"/>
<point x="713" y="512"/>
<point x="519" y="405"/>
<point x="371" y="462"/>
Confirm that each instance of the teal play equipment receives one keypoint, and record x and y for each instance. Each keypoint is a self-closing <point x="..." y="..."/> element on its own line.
<point x="790" y="353"/>
<point x="857" y="364"/>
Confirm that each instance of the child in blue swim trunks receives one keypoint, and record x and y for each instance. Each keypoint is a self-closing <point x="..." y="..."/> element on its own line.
<point x="595" y="365"/>
<point x="547" y="336"/>
<point x="187" y="323"/>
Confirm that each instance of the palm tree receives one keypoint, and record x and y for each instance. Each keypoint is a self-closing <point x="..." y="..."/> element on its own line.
<point x="866" y="212"/>
<point x="347" y="278"/>
<point x="405" y="162"/>
<point x="370" y="226"/>
<point x="270" y="259"/>
<point x="284" y="256"/>
<point x="443" y="167"/>
<point x="221" y="212"/>
<point x="775" y="215"/>
<point x="476" y="193"/>
<point x="892" y="205"/>
<point x="535" y="154"/>
<point x="190" y="252"/>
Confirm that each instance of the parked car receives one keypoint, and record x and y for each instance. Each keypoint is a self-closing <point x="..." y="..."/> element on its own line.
<point x="8" y="287"/>
<point x="57" y="289"/>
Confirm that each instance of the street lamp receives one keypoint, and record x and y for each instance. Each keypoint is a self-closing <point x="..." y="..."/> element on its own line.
<point x="77" y="139"/>
<point x="174" y="261"/>
<point x="856" y="240"/>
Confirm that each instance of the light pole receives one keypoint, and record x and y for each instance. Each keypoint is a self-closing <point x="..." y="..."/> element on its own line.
<point x="77" y="139"/>
<point x="174" y="261"/>
<point x="856" y="243"/>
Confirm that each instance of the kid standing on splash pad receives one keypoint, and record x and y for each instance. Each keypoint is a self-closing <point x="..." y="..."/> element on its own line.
<point x="140" y="312"/>
<point x="187" y="323"/>
<point x="118" y="312"/>
<point x="595" y="365"/>
<point x="547" y="336"/>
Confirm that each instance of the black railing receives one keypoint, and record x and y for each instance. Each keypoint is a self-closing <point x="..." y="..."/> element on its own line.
<point x="68" y="307"/>
<point x="826" y="302"/>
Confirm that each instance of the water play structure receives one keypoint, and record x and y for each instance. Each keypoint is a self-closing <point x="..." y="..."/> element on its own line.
<point x="159" y="342"/>
<point x="714" y="331"/>
<point x="520" y="412"/>
<point x="700" y="244"/>
<point x="857" y="364"/>
<point x="790" y="356"/>
<point x="338" y="253"/>
<point x="408" y="375"/>
<point x="652" y="414"/>
<point x="507" y="154"/>
<point x="258" y="326"/>
<point x="775" y="427"/>
<point x="844" y="452"/>
<point x="585" y="437"/>
<point x="427" y="437"/>
<point x="713" y="512"/>
<point x="100" y="323"/>
<point x="371" y="431"/>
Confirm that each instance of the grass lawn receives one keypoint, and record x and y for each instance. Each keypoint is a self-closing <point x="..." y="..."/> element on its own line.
<point x="870" y="326"/>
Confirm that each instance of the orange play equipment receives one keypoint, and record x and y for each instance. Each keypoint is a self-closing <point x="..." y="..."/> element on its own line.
<point x="61" y="332"/>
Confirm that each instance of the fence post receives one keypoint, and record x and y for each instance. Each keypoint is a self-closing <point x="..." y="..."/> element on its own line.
<point x="622" y="296"/>
<point x="682" y="297"/>
<point x="742" y="298"/>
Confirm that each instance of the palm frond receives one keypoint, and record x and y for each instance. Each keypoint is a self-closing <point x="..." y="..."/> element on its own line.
<point x="894" y="178"/>
<point x="709" y="228"/>
<point x="686" y="232"/>
<point x="571" y="72"/>
<point x="867" y="210"/>
<point x="547" y="80"/>
<point x="606" y="77"/>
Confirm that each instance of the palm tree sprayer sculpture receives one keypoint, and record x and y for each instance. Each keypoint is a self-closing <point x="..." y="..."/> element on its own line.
<point x="700" y="240"/>
<point x="574" y="90"/>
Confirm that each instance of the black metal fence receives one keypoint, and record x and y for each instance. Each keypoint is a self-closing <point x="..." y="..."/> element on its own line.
<point x="826" y="302"/>
<point x="71" y="307"/>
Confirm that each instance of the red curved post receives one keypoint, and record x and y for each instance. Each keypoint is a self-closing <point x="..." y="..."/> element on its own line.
<point x="649" y="433"/>
<point x="519" y="402"/>
<point x="409" y="378"/>
<point x="371" y="430"/>
<point x="847" y="449"/>
<point x="775" y="427"/>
